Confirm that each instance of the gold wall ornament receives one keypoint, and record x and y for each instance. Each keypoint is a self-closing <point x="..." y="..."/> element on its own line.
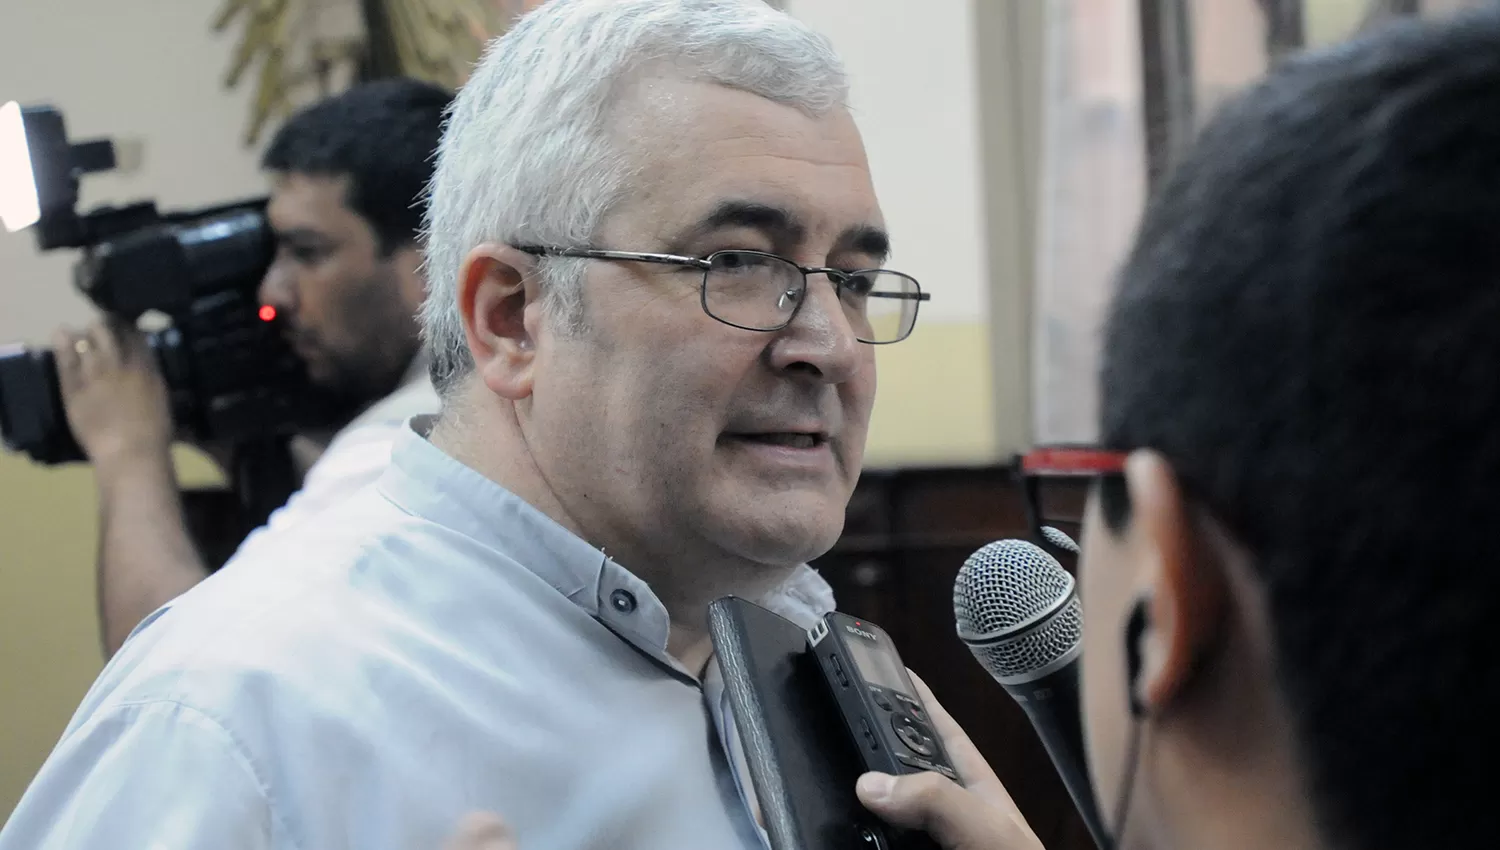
<point x="306" y="50"/>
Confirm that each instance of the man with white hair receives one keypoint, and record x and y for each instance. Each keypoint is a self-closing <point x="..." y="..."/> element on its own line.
<point x="655" y="283"/>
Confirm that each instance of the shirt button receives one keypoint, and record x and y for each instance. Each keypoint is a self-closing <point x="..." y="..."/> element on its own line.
<point x="622" y="601"/>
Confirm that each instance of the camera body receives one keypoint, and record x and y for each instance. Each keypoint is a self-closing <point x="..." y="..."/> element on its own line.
<point x="881" y="708"/>
<point x="231" y="377"/>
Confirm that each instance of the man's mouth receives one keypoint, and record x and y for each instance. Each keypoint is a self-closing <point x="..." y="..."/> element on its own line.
<point x="786" y="439"/>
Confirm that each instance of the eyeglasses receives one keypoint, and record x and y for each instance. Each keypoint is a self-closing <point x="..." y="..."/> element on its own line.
<point x="1054" y="484"/>
<point x="757" y="291"/>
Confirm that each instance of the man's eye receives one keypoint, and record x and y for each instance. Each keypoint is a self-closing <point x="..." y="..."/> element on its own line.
<point x="306" y="254"/>
<point x="859" y="284"/>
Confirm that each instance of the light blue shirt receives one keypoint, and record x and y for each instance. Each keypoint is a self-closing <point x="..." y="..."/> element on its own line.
<point x="430" y="647"/>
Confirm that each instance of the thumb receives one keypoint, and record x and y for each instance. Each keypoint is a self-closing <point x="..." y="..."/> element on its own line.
<point x="481" y="831"/>
<point x="955" y="817"/>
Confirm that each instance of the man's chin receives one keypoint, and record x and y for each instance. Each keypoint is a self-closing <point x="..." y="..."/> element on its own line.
<point x="801" y="516"/>
<point x="336" y="399"/>
<point x="787" y="540"/>
<point x="339" y="379"/>
<point x="323" y="376"/>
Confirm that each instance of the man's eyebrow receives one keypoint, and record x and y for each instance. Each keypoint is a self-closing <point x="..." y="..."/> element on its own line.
<point x="779" y="225"/>
<point x="300" y="234"/>
<point x="867" y="240"/>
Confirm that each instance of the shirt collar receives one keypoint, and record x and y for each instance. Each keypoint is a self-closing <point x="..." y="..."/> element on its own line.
<point x="425" y="481"/>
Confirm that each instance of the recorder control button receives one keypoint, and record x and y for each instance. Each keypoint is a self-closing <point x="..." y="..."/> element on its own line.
<point x="880" y="698"/>
<point x="838" y="671"/>
<point x="913" y="706"/>
<point x="914" y="735"/>
<point x="869" y="734"/>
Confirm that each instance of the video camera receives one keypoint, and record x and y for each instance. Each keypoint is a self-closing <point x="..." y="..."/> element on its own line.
<point x="231" y="377"/>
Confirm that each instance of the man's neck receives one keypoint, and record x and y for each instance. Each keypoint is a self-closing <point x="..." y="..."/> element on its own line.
<point x="687" y="597"/>
<point x="1233" y="811"/>
<point x="1225" y="771"/>
<point x="691" y="647"/>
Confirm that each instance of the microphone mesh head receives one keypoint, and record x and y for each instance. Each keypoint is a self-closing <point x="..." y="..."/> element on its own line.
<point x="1017" y="610"/>
<point x="1036" y="652"/>
<point x="1006" y="585"/>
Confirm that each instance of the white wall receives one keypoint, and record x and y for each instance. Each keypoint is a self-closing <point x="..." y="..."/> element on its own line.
<point x="144" y="70"/>
<point x="914" y="94"/>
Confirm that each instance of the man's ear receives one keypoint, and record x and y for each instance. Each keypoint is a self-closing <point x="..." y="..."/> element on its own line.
<point x="1185" y="587"/>
<point x="496" y="286"/>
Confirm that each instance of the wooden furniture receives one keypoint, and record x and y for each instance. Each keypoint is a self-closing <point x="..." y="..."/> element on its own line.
<point x="908" y="533"/>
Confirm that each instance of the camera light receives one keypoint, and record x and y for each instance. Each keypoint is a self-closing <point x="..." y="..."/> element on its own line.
<point x="18" y="201"/>
<point x="267" y="313"/>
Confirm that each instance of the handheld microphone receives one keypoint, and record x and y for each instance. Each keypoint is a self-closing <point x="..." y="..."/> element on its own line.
<point x="1019" y="612"/>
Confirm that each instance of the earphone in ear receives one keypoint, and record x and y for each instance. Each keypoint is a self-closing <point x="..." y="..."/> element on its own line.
<point x="1135" y="628"/>
<point x="1135" y="631"/>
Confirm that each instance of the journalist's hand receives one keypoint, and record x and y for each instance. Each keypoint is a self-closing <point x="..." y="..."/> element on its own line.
<point x="979" y="815"/>
<point x="481" y="831"/>
<point x="115" y="398"/>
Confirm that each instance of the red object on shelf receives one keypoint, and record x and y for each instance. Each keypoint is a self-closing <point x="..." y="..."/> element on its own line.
<point x="1071" y="460"/>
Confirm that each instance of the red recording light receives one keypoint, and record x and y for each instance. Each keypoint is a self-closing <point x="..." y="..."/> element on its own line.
<point x="267" y="313"/>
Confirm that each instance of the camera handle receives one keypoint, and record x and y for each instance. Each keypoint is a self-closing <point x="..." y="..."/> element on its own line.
<point x="262" y="476"/>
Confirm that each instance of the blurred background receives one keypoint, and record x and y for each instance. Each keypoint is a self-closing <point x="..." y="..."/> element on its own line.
<point x="1012" y="142"/>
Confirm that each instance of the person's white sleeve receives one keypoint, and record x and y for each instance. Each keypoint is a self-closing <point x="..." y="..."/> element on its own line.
<point x="157" y="774"/>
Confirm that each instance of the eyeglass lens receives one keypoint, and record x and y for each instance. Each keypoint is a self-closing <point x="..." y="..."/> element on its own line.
<point x="761" y="292"/>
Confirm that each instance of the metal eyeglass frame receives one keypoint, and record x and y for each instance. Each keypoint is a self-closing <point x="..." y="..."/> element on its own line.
<point x="838" y="277"/>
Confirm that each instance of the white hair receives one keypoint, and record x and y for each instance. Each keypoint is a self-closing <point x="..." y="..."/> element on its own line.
<point x="527" y="157"/>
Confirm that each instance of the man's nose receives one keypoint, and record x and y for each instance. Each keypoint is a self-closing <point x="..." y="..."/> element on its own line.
<point x="278" y="290"/>
<point x="820" y="340"/>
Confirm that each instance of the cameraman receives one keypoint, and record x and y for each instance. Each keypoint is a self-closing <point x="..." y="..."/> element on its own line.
<point x="346" y="176"/>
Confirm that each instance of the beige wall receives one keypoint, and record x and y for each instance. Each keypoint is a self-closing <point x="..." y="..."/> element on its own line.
<point x="148" y="71"/>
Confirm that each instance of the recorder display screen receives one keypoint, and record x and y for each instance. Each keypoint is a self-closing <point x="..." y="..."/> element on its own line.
<point x="877" y="666"/>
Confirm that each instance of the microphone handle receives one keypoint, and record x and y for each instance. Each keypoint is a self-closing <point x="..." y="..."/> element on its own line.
<point x="1052" y="704"/>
